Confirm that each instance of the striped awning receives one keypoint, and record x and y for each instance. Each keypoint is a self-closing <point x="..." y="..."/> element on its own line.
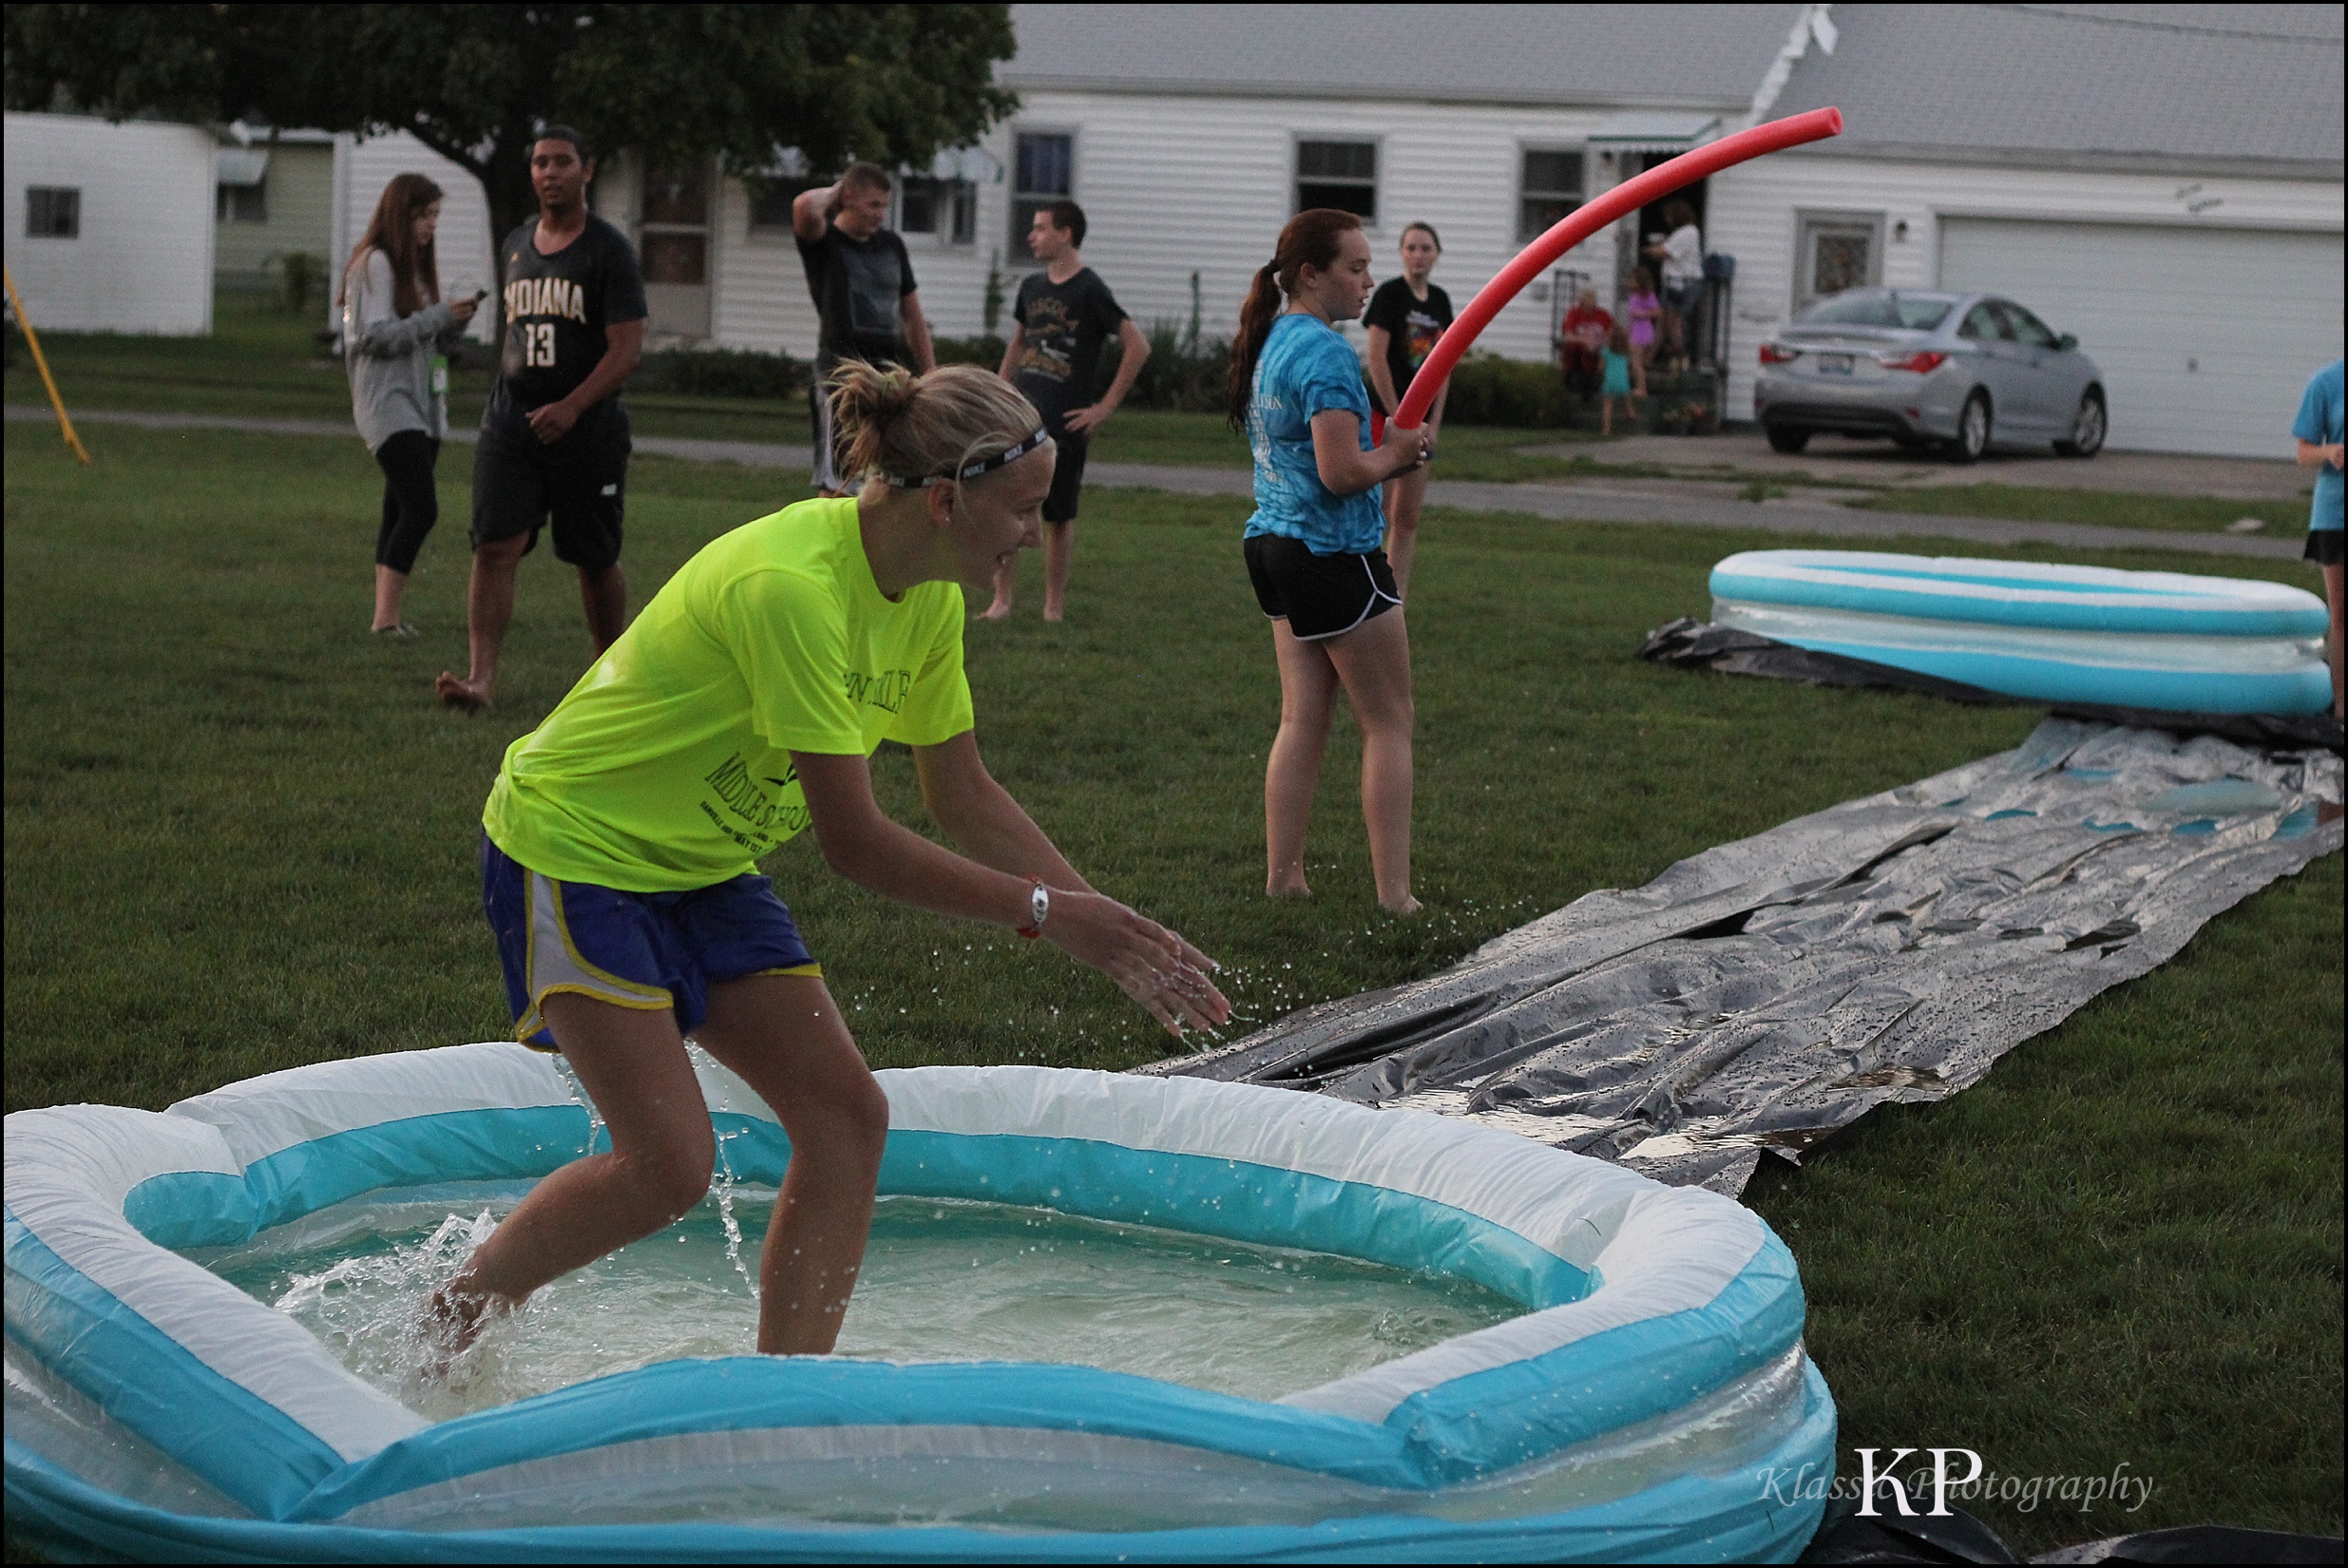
<point x="1655" y="130"/>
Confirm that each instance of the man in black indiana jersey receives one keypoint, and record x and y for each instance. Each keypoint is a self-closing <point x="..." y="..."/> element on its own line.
<point x="554" y="439"/>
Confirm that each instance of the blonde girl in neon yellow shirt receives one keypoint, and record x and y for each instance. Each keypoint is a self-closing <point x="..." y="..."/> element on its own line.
<point x="619" y="843"/>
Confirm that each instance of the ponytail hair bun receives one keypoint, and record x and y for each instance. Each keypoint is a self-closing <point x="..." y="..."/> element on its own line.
<point x="912" y="426"/>
<point x="1311" y="239"/>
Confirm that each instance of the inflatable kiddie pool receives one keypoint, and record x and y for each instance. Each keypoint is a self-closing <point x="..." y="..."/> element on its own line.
<point x="1648" y="1389"/>
<point x="2052" y="634"/>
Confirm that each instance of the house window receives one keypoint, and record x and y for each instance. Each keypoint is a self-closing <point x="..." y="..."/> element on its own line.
<point x="946" y="208"/>
<point x="243" y="204"/>
<point x="52" y="212"/>
<point x="1338" y="173"/>
<point x="1836" y="251"/>
<point x="1550" y="188"/>
<point x="1045" y="172"/>
<point x="674" y="240"/>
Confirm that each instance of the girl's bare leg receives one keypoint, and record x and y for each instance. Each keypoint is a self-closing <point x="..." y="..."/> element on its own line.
<point x="1006" y="576"/>
<point x="783" y="1035"/>
<point x="1308" y="693"/>
<point x="1373" y="662"/>
<point x="391" y="589"/>
<point x="2333" y="593"/>
<point x="634" y="1066"/>
<point x="1059" y="548"/>
<point x="1405" y="495"/>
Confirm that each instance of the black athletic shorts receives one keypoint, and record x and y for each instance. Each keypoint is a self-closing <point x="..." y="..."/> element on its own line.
<point x="2323" y="544"/>
<point x="1318" y="595"/>
<point x="579" y="483"/>
<point x="1068" y="478"/>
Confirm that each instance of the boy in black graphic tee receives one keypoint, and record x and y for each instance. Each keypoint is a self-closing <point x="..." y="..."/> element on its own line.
<point x="554" y="438"/>
<point x="861" y="279"/>
<point x="1061" y="318"/>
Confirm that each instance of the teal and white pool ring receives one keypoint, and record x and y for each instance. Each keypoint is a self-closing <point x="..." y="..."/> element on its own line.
<point x="1639" y="1410"/>
<point x="2046" y="633"/>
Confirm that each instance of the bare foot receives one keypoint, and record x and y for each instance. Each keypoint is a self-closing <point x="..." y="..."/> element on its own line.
<point x="471" y="696"/>
<point x="1284" y="888"/>
<point x="1051" y="613"/>
<point x="1409" y="906"/>
<point x="999" y="610"/>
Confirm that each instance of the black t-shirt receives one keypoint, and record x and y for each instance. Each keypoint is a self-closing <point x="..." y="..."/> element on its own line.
<point x="556" y="310"/>
<point x="858" y="286"/>
<point x="1412" y="325"/>
<point x="1062" y="329"/>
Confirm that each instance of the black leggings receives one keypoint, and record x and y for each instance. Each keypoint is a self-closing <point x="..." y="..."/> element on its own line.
<point x="410" y="504"/>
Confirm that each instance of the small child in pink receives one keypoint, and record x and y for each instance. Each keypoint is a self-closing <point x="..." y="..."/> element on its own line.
<point x="1644" y="310"/>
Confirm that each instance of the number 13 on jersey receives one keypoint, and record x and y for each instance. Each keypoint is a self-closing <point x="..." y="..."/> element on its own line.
<point x="538" y="344"/>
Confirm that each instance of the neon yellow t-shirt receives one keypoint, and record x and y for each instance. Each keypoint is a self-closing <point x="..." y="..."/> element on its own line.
<point x="667" y="767"/>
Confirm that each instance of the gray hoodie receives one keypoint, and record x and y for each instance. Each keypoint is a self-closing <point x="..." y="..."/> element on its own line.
<point x="389" y="358"/>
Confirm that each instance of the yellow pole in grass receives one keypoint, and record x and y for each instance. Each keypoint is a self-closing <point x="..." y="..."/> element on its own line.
<point x="64" y="420"/>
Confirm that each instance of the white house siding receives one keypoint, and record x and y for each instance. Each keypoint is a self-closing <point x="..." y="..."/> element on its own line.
<point x="143" y="262"/>
<point x="362" y="169"/>
<point x="1173" y="184"/>
<point x="300" y="194"/>
<point x="1753" y="216"/>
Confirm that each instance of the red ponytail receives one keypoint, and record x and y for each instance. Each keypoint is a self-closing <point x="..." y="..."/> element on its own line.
<point x="1310" y="240"/>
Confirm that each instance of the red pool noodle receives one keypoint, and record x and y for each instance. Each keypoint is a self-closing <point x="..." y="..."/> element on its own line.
<point x="1583" y="222"/>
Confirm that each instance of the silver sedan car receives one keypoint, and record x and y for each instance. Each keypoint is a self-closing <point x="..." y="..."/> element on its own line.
<point x="1951" y="371"/>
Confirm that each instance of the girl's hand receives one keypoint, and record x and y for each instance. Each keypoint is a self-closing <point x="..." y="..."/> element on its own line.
<point x="1151" y="964"/>
<point x="1405" y="449"/>
<point x="462" y="311"/>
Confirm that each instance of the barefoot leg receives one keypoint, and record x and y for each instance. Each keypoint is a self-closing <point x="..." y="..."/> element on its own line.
<point x="1307" y="695"/>
<point x="488" y="610"/>
<point x="784" y="1035"/>
<point x="634" y="1067"/>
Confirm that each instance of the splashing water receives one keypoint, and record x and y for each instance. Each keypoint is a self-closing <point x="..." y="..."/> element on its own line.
<point x="943" y="1281"/>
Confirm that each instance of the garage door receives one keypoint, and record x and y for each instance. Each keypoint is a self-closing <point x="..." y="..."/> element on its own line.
<point x="2206" y="337"/>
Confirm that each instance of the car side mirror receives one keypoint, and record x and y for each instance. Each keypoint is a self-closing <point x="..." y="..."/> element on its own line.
<point x="2067" y="342"/>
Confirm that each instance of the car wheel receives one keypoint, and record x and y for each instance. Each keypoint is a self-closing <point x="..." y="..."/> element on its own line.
<point x="1973" y="427"/>
<point x="2087" y="427"/>
<point x="1788" y="438"/>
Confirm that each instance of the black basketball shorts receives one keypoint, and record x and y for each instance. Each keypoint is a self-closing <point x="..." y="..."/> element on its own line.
<point x="1318" y="595"/>
<point x="1067" y="477"/>
<point x="578" y="483"/>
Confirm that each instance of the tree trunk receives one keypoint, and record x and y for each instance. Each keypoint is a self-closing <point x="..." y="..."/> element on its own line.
<point x="505" y="177"/>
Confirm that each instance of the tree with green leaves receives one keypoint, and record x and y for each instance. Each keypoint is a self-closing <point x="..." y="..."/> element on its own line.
<point x="891" y="84"/>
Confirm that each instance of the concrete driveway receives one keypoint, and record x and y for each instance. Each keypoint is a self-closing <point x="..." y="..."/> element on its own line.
<point x="1839" y="460"/>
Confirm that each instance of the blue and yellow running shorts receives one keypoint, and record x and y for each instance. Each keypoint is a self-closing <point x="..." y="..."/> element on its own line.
<point x="647" y="951"/>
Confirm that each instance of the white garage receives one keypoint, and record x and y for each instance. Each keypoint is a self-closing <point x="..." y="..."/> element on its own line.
<point x="109" y="227"/>
<point x="2205" y="335"/>
<point x="2164" y="182"/>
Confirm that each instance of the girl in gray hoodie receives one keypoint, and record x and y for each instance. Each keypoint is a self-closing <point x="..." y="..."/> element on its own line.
<point x="396" y="338"/>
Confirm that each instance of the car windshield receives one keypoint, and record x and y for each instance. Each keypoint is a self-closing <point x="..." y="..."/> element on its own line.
<point x="1868" y="308"/>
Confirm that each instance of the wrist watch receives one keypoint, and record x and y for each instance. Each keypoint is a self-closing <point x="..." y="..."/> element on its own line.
<point x="1039" y="908"/>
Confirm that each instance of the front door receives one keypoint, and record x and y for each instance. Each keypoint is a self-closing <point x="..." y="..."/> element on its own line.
<point x="675" y="245"/>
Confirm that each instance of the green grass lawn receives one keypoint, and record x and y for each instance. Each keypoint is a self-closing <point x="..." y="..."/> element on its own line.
<point x="241" y="837"/>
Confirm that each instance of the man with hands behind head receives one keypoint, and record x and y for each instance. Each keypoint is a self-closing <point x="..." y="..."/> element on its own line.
<point x="862" y="283"/>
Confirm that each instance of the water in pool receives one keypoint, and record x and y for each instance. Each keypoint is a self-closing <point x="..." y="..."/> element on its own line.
<point x="943" y="1281"/>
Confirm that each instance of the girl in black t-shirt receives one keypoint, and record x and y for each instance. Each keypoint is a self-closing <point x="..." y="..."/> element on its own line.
<point x="1405" y="316"/>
